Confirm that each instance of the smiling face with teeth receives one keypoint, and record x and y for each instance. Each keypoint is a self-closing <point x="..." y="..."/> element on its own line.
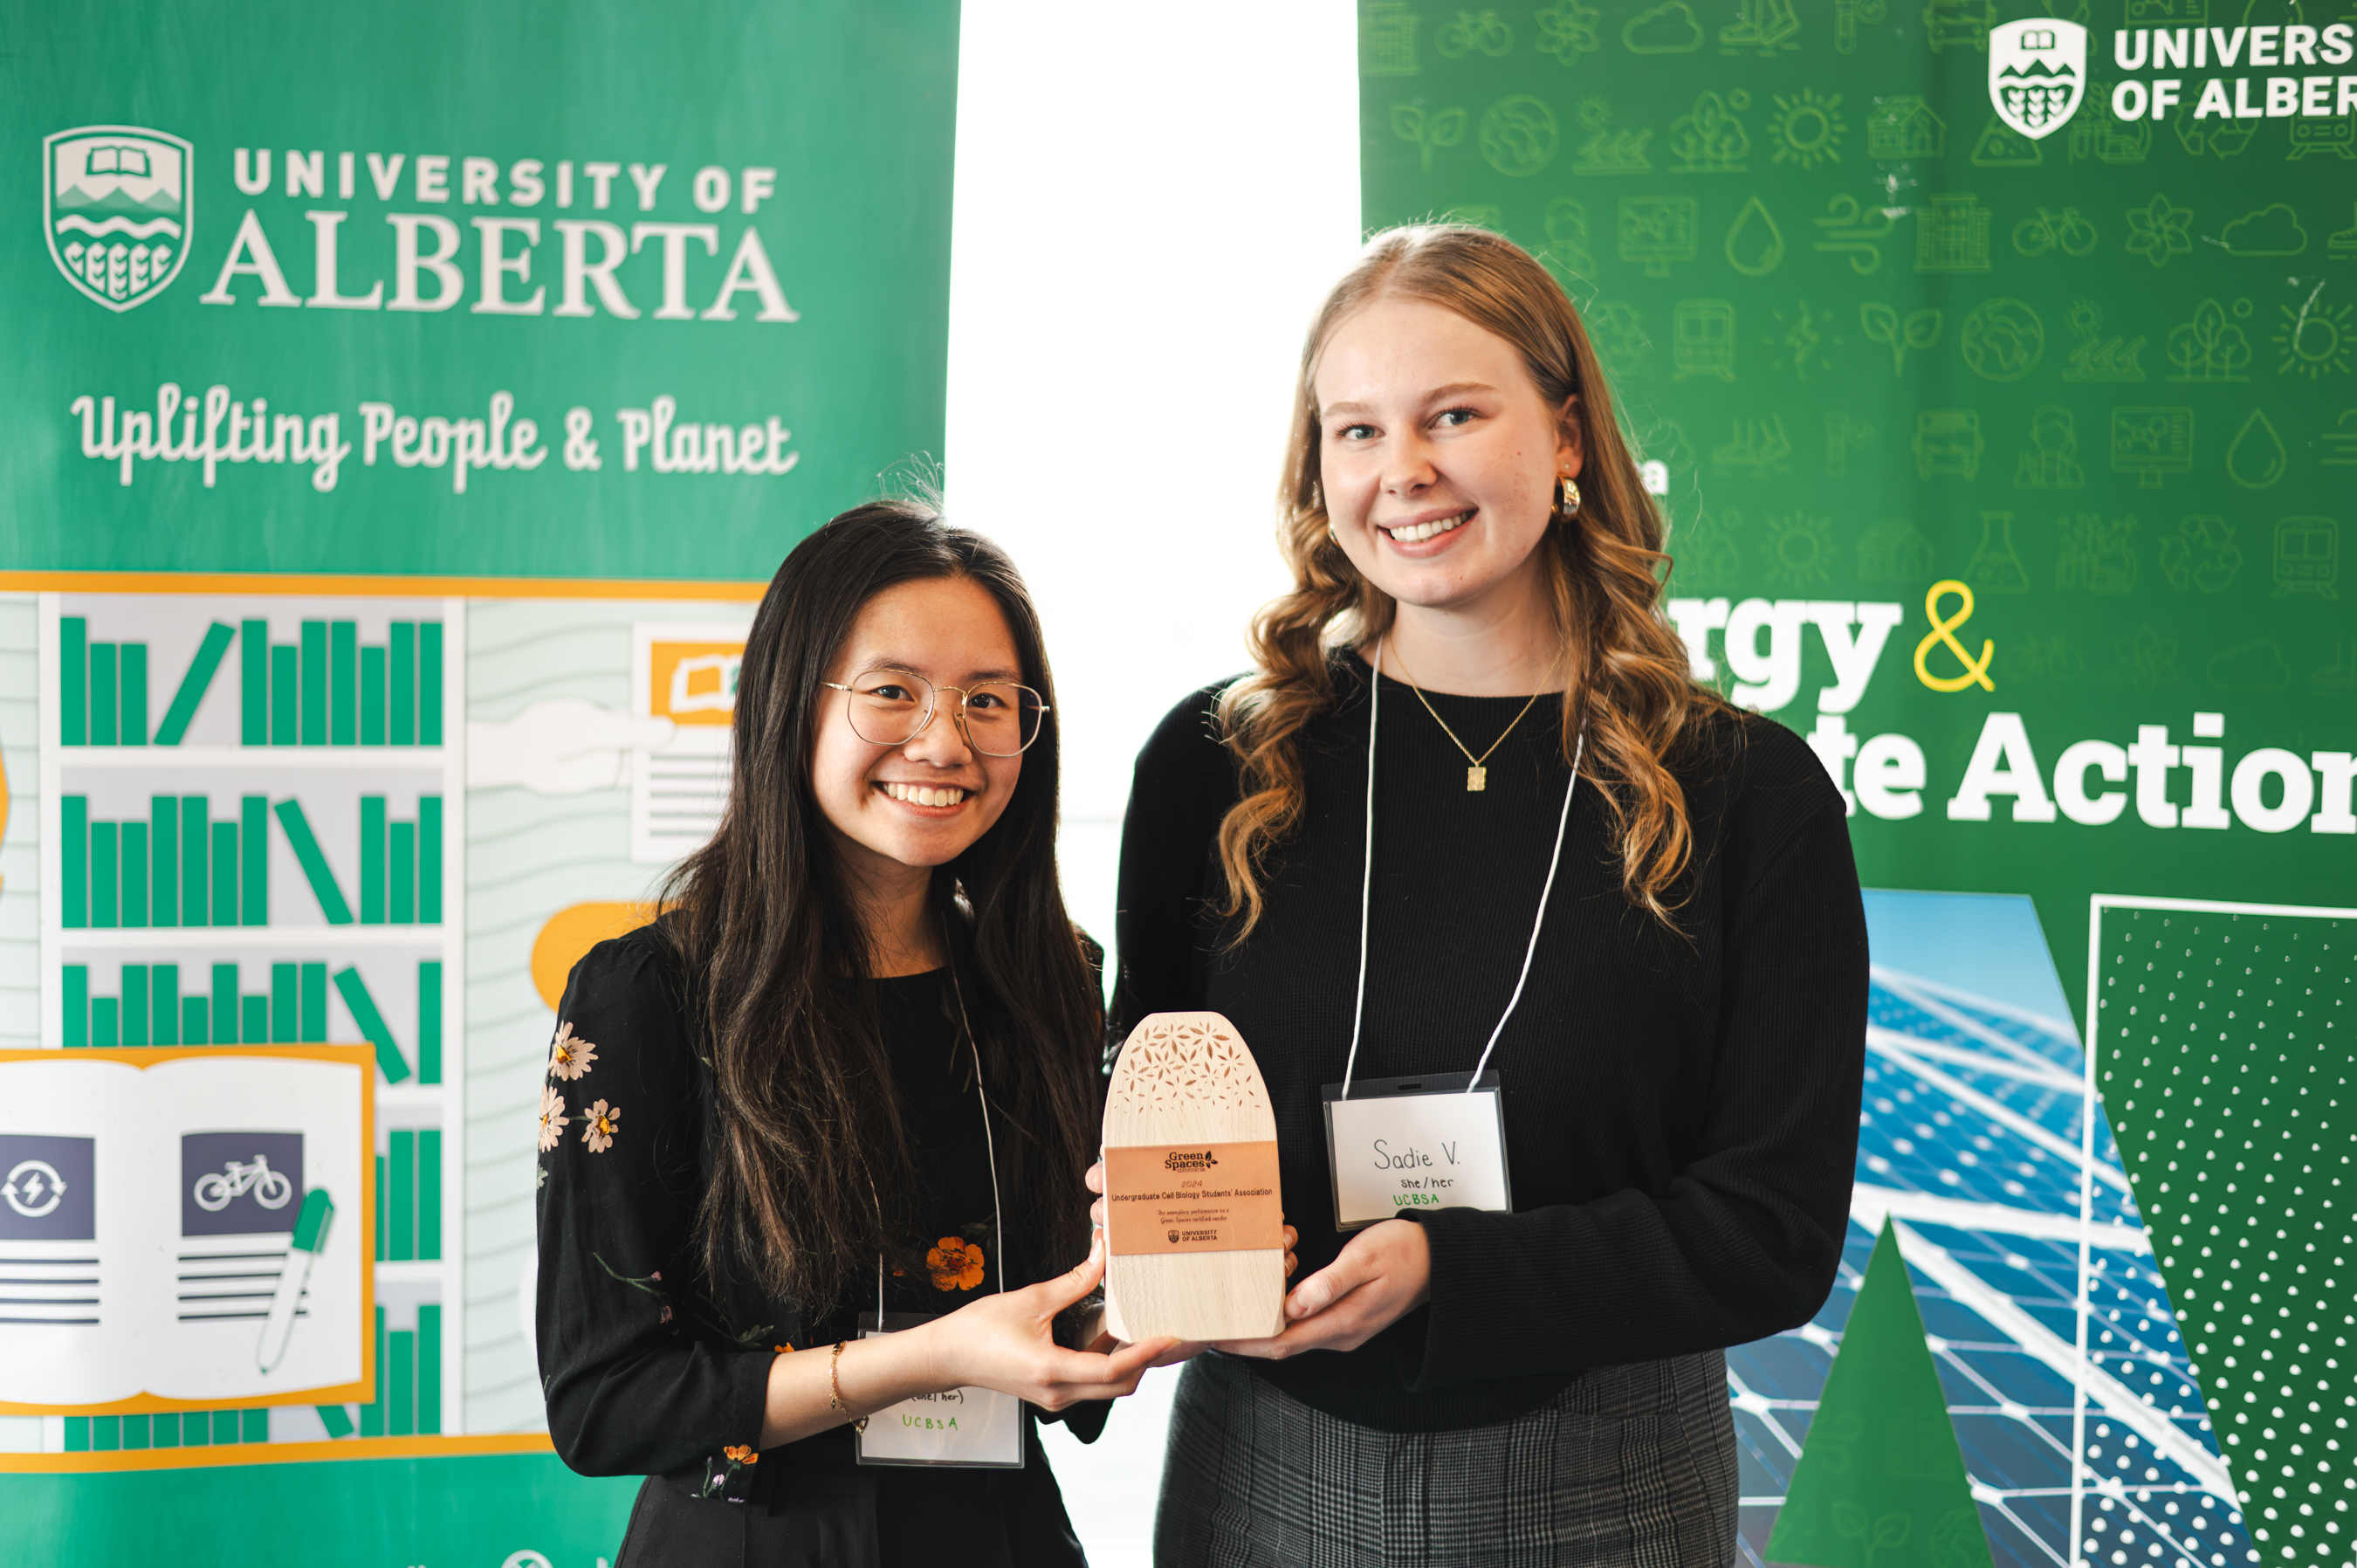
<point x="1439" y="457"/>
<point x="897" y="812"/>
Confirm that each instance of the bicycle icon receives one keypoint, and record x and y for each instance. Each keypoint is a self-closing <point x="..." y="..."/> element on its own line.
<point x="1474" y="31"/>
<point x="2036" y="236"/>
<point x="215" y="1189"/>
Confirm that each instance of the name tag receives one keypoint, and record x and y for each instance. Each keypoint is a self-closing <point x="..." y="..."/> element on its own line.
<point x="978" y="1428"/>
<point x="1398" y="1145"/>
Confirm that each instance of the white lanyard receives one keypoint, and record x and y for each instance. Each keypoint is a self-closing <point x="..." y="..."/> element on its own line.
<point x="969" y="1426"/>
<point x="1367" y="888"/>
<point x="997" y="1218"/>
<point x="990" y="1149"/>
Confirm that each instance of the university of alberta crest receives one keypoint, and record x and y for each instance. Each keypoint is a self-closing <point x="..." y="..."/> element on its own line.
<point x="116" y="204"/>
<point x="2038" y="73"/>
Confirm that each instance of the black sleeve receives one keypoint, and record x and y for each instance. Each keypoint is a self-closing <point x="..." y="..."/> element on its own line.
<point x="1184" y="785"/>
<point x="635" y="1383"/>
<point x="1746" y="1238"/>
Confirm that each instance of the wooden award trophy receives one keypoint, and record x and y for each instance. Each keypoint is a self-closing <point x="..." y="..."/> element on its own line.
<point x="1194" y="1223"/>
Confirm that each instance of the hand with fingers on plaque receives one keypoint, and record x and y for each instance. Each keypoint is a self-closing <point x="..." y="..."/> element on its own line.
<point x="1174" y="1352"/>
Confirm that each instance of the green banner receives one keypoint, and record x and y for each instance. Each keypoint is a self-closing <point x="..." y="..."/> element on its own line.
<point x="503" y="1511"/>
<point x="1995" y="371"/>
<point x="1881" y="339"/>
<point x="404" y="408"/>
<point x="612" y="290"/>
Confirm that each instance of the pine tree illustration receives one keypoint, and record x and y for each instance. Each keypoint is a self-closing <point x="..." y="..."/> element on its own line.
<point x="1881" y="1482"/>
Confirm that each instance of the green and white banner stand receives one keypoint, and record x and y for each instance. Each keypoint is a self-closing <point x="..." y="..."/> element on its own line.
<point x="404" y="409"/>
<point x="1997" y="364"/>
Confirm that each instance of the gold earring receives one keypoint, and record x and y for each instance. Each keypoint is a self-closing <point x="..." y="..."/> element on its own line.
<point x="1570" y="497"/>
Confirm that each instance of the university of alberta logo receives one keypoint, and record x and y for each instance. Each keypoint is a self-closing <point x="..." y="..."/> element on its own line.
<point x="2038" y="73"/>
<point x="116" y="201"/>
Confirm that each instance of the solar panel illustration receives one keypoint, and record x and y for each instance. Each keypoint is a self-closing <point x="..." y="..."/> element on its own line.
<point x="1970" y="1138"/>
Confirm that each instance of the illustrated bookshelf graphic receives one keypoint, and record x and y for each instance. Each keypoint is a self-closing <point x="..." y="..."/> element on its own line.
<point x="325" y="688"/>
<point x="202" y="1003"/>
<point x="409" y="1378"/>
<point x="400" y="865"/>
<point x="182" y="1429"/>
<point x="179" y="866"/>
<point x="409" y="1196"/>
<point x="252" y="823"/>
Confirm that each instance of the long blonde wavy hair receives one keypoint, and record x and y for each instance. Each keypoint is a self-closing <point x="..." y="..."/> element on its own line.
<point x="1626" y="673"/>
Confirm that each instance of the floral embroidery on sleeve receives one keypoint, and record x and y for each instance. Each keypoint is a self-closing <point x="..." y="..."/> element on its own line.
<point x="730" y="1483"/>
<point x="569" y="1056"/>
<point x="599" y="1125"/>
<point x="652" y="1284"/>
<point x="552" y="1119"/>
<point x="954" y="1263"/>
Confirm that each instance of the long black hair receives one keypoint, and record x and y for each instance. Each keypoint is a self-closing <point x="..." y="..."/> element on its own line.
<point x="812" y="1179"/>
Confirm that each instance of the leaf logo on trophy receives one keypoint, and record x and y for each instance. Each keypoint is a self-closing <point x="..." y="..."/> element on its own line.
<point x="2038" y="73"/>
<point x="116" y="203"/>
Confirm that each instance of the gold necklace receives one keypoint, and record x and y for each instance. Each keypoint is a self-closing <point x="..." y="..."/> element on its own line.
<point x="1477" y="773"/>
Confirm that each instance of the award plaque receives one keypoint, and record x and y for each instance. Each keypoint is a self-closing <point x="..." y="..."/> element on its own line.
<point x="1194" y="1223"/>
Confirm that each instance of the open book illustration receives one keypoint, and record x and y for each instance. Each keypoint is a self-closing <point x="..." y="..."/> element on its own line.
<point x="169" y="1228"/>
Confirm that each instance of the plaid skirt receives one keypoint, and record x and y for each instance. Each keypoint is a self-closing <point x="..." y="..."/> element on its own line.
<point x="1631" y="1467"/>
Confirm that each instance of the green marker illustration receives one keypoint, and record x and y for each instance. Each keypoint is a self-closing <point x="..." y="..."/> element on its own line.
<point x="310" y="1235"/>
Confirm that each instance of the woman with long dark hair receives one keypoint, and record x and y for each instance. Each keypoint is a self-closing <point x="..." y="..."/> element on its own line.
<point x="846" y="1083"/>
<point x="1555" y="963"/>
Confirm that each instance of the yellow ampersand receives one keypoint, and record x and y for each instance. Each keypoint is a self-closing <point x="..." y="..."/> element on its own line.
<point x="1943" y="630"/>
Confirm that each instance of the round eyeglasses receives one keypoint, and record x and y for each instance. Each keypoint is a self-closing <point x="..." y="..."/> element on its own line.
<point x="892" y="707"/>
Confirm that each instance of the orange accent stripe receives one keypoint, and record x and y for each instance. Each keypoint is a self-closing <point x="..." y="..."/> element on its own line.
<point x="278" y="1453"/>
<point x="386" y="585"/>
<point x="359" y="1393"/>
<point x="145" y="1057"/>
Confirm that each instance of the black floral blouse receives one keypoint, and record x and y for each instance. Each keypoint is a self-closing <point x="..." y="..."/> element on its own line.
<point x="649" y="1369"/>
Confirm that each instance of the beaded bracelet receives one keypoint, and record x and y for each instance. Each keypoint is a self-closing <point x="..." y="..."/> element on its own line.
<point x="834" y="1379"/>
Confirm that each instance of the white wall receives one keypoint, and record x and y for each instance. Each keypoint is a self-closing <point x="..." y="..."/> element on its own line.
<point x="1150" y="203"/>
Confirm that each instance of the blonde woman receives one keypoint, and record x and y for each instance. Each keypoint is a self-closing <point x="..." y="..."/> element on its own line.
<point x="1468" y="837"/>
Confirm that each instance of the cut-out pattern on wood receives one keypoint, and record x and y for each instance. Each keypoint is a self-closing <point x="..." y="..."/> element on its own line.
<point x="1189" y="1058"/>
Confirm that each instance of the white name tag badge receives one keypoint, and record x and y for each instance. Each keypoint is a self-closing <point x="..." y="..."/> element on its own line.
<point x="1398" y="1145"/>
<point x="977" y="1428"/>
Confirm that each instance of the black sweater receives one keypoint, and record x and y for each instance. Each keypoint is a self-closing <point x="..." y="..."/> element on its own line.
<point x="651" y="1367"/>
<point x="1681" y="1109"/>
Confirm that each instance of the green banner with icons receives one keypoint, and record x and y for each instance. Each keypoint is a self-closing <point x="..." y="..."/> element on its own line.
<point x="2030" y="331"/>
<point x="1881" y="339"/>
<point x="405" y="408"/>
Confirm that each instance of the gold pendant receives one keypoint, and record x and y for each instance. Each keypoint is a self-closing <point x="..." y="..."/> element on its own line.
<point x="1477" y="778"/>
